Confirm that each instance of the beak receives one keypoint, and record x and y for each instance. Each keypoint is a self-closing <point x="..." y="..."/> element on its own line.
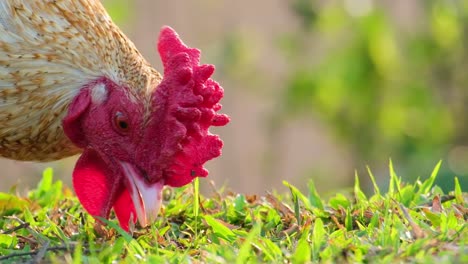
<point x="146" y="198"/>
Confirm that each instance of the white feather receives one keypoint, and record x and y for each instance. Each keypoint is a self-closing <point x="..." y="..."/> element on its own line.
<point x="98" y="93"/>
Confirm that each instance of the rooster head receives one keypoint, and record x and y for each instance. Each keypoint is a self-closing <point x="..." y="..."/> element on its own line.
<point x="133" y="147"/>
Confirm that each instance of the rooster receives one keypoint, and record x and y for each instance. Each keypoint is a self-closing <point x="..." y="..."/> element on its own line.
<point x="71" y="82"/>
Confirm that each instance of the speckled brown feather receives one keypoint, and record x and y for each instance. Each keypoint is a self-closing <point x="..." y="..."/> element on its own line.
<point x="49" y="49"/>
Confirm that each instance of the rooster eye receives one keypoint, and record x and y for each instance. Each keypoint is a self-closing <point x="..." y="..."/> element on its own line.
<point x="121" y="122"/>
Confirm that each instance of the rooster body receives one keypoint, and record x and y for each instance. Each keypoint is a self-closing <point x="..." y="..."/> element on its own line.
<point x="71" y="82"/>
<point x="48" y="51"/>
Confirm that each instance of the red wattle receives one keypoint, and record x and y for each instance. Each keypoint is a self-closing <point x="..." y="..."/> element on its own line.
<point x="125" y="210"/>
<point x="99" y="188"/>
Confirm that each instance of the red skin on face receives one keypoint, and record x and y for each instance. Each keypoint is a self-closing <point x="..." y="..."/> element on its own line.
<point x="170" y="149"/>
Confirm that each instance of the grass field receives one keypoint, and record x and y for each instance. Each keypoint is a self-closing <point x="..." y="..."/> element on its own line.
<point x="410" y="223"/>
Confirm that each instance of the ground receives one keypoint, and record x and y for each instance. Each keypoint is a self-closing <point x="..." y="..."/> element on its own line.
<point x="415" y="223"/>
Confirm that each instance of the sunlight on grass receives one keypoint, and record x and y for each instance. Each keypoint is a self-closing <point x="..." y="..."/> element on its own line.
<point x="410" y="223"/>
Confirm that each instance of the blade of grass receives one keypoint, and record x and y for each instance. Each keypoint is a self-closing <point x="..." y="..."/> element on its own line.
<point x="314" y="197"/>
<point x="458" y="192"/>
<point x="318" y="237"/>
<point x="303" y="252"/>
<point x="427" y="185"/>
<point x="78" y="254"/>
<point x="358" y="194"/>
<point x="395" y="182"/>
<point x="196" y="204"/>
<point x="376" y="187"/>
<point x="219" y="229"/>
<point x="245" y="252"/>
<point x="132" y="245"/>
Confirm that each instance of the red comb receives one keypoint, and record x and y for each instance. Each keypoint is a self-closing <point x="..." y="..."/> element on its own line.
<point x="186" y="105"/>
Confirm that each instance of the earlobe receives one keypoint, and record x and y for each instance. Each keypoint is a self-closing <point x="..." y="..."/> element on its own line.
<point x="72" y="121"/>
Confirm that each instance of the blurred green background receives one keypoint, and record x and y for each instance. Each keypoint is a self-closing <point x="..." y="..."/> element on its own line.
<point x="319" y="89"/>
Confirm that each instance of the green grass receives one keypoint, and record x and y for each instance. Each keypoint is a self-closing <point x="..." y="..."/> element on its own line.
<point x="414" y="223"/>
